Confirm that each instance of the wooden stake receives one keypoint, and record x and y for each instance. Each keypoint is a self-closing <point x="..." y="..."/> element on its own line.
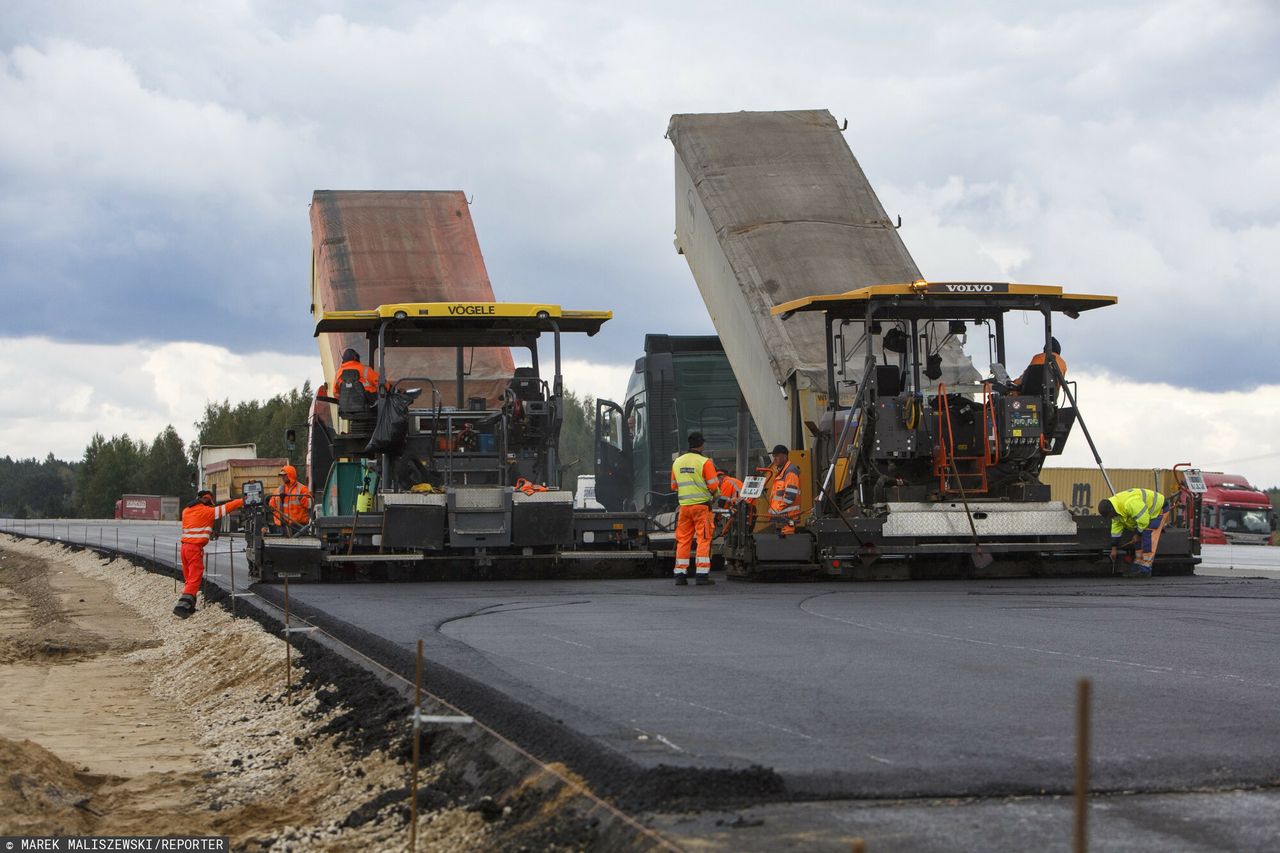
<point x="1082" y="766"/>
<point x="859" y="846"/>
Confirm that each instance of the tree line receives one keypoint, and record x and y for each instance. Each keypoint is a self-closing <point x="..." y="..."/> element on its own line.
<point x="122" y="465"/>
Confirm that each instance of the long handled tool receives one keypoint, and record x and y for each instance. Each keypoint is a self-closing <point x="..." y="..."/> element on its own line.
<point x="981" y="559"/>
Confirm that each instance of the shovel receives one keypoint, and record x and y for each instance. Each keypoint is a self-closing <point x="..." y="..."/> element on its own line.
<point x="981" y="559"/>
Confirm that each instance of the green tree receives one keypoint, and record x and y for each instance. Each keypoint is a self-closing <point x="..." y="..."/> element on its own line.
<point x="261" y="422"/>
<point x="577" y="439"/>
<point x="110" y="468"/>
<point x="166" y="471"/>
<point x="31" y="488"/>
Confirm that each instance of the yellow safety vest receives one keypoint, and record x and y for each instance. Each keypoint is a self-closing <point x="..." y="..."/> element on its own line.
<point x="1134" y="509"/>
<point x="690" y="486"/>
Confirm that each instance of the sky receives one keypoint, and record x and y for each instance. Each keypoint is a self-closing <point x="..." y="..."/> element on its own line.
<point x="157" y="161"/>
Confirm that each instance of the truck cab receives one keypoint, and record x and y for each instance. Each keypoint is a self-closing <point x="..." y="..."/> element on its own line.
<point x="1233" y="512"/>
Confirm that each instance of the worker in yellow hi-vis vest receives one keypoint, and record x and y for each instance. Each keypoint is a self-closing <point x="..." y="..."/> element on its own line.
<point x="1139" y="511"/>
<point x="694" y="479"/>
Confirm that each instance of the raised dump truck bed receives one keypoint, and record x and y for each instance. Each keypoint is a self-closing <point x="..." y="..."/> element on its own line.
<point x="773" y="206"/>
<point x="371" y="248"/>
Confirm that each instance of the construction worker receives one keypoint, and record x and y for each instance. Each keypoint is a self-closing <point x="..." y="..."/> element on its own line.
<point x="784" y="494"/>
<point x="1031" y="381"/>
<point x="729" y="497"/>
<point x="292" y="500"/>
<point x="351" y="361"/>
<point x="730" y="490"/>
<point x="198" y="518"/>
<point x="696" y="483"/>
<point x="1139" y="511"/>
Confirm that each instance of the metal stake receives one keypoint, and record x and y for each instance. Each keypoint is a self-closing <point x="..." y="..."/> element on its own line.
<point x="1082" y="766"/>
<point x="288" y="648"/>
<point x="417" y="725"/>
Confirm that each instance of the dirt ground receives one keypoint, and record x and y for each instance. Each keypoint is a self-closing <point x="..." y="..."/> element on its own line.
<point x="119" y="719"/>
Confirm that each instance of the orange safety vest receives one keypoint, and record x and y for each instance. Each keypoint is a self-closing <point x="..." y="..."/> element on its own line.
<point x="295" y="499"/>
<point x="1037" y="360"/>
<point x="784" y="498"/>
<point x="730" y="489"/>
<point x="368" y="376"/>
<point x="528" y="487"/>
<point x="198" y="519"/>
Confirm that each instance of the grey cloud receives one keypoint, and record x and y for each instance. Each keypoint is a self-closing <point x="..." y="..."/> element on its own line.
<point x="1107" y="148"/>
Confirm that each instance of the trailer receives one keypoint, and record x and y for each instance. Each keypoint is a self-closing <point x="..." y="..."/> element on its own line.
<point x="147" y="507"/>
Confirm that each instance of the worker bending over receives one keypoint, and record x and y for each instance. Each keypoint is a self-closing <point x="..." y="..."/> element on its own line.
<point x="367" y="375"/>
<point x="784" y="496"/>
<point x="292" y="501"/>
<point x="1139" y="511"/>
<point x="694" y="479"/>
<point x="198" y="518"/>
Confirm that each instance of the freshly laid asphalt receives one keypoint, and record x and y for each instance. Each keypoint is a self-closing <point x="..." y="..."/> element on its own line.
<point x="863" y="690"/>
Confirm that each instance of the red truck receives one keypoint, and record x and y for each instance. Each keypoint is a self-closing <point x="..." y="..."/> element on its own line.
<point x="147" y="507"/>
<point x="1234" y="512"/>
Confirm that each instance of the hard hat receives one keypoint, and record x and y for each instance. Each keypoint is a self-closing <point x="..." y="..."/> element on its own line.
<point x="781" y="448"/>
<point x="350" y="355"/>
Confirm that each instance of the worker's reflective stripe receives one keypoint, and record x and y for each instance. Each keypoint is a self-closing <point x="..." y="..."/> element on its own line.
<point x="193" y="530"/>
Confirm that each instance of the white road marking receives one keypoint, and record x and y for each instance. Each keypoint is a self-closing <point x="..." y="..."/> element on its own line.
<point x="1158" y="670"/>
<point x="568" y="642"/>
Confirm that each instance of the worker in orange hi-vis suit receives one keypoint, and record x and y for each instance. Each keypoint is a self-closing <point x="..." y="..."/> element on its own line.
<point x="730" y="496"/>
<point x="784" y="497"/>
<point x="293" y="499"/>
<point x="351" y="361"/>
<point x="197" y="526"/>
<point x="694" y="479"/>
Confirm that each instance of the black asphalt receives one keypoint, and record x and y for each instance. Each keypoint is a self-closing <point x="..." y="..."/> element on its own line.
<point x="846" y="690"/>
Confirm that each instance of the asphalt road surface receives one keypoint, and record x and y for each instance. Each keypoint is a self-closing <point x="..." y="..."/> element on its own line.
<point x="864" y="691"/>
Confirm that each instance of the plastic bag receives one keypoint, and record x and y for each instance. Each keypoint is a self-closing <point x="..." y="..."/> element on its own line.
<point x="392" y="425"/>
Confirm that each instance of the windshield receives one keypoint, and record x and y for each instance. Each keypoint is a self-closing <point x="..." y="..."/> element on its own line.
<point x="1237" y="520"/>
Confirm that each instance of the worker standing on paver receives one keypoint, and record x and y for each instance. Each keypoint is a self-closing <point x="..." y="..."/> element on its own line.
<point x="694" y="479"/>
<point x="351" y="361"/>
<point x="784" y="495"/>
<point x="1139" y="511"/>
<point x="198" y="518"/>
<point x="292" y="501"/>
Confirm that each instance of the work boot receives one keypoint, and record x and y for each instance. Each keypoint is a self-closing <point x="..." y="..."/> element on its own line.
<point x="682" y="580"/>
<point x="703" y="580"/>
<point x="185" y="607"/>
<point x="1138" y="572"/>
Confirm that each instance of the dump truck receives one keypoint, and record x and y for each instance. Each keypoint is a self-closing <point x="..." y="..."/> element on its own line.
<point x="682" y="383"/>
<point x="913" y="464"/>
<point x="449" y="466"/>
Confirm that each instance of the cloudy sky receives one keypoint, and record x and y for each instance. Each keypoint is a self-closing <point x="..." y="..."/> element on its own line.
<point x="157" y="161"/>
